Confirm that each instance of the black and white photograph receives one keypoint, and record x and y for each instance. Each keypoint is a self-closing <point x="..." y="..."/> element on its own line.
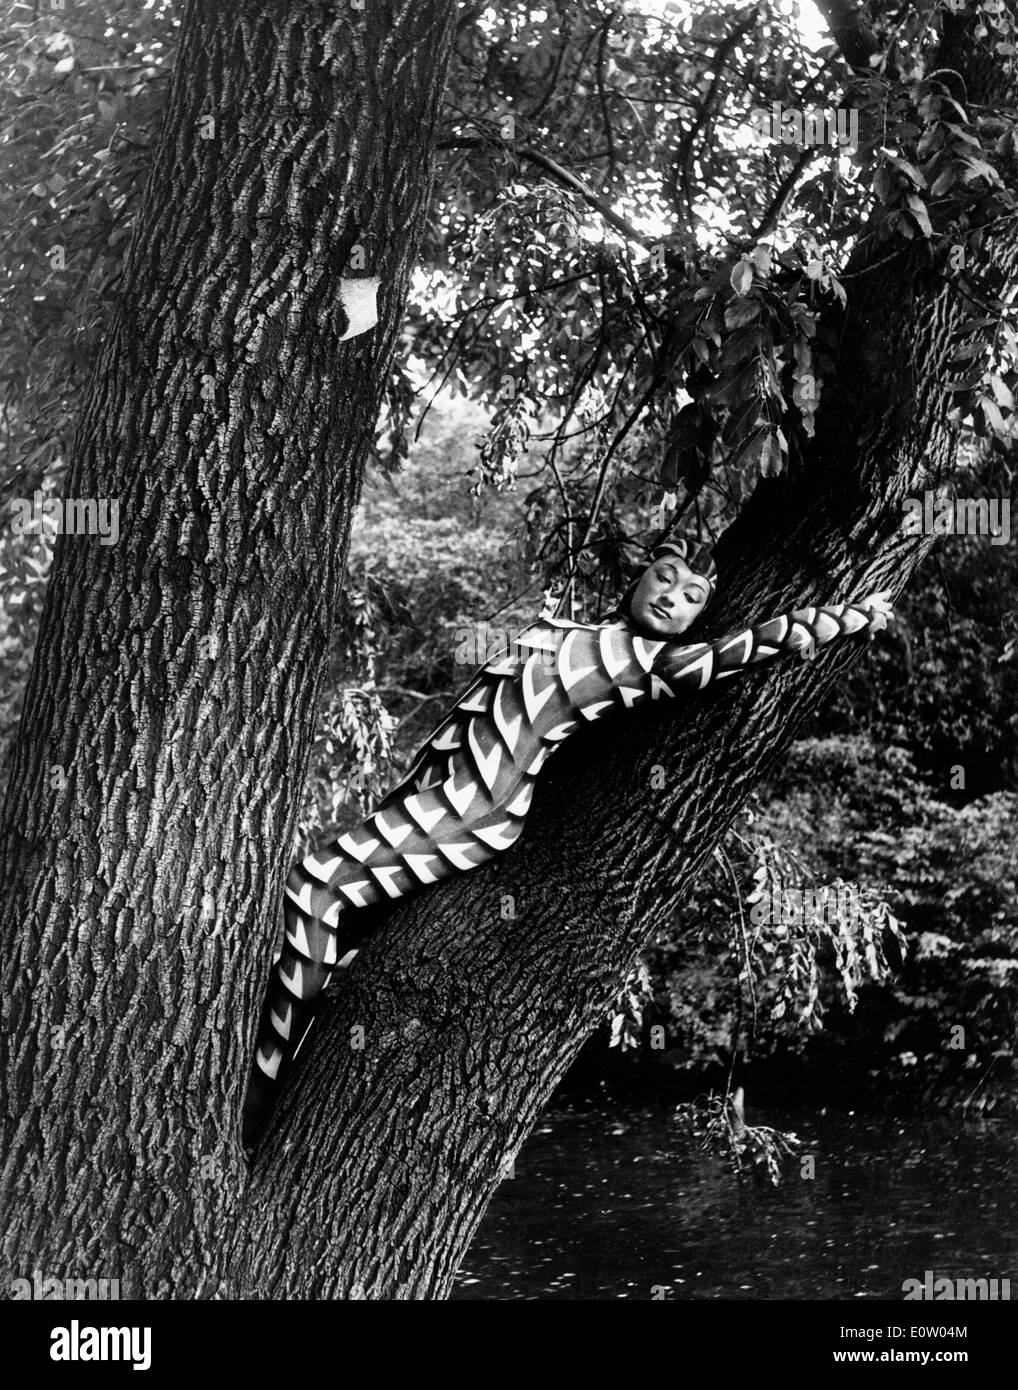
<point x="508" y="671"/>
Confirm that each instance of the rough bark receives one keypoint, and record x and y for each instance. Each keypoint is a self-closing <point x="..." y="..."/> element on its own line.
<point x="168" y="719"/>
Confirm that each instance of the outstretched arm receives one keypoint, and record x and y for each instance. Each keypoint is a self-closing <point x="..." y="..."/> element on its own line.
<point x="801" y="630"/>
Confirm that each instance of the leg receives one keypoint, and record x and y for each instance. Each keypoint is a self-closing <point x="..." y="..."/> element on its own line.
<point x="407" y="844"/>
<point x="312" y="950"/>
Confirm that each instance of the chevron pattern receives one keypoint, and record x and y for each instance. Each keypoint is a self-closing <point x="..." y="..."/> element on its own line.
<point x="467" y="794"/>
<point x="802" y="630"/>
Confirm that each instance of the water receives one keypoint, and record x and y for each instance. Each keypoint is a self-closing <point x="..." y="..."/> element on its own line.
<point x="613" y="1203"/>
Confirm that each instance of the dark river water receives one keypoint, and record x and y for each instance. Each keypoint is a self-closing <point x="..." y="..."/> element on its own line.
<point x="612" y="1203"/>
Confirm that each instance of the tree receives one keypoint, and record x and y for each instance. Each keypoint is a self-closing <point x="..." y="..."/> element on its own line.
<point x="431" y="1062"/>
<point x="473" y="1016"/>
<point x="172" y="696"/>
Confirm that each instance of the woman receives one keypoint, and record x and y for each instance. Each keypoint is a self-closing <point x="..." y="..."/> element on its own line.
<point x="466" y="797"/>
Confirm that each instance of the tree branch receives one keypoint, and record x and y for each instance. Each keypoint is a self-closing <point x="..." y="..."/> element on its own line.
<point x="685" y="151"/>
<point x="851" y="29"/>
<point x="562" y="176"/>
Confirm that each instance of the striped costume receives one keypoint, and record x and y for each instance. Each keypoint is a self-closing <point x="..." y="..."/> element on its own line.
<point x="466" y="797"/>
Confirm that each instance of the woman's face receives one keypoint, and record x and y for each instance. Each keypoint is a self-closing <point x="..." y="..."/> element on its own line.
<point x="668" y="597"/>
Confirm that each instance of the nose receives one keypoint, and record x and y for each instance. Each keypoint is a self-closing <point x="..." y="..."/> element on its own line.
<point x="665" y="600"/>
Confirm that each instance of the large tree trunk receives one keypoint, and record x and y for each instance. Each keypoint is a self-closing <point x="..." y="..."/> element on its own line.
<point x="170" y="710"/>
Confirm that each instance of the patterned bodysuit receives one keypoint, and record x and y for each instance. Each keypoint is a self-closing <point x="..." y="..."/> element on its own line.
<point x="466" y="797"/>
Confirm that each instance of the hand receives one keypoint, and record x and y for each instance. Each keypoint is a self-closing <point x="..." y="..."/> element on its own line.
<point x="881" y="611"/>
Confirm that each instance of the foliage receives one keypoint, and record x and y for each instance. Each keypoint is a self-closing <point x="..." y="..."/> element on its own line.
<point x="81" y="92"/>
<point x="937" y="1022"/>
<point x="951" y="874"/>
<point x="852" y="921"/>
<point x="945" y="683"/>
<point x="766" y="933"/>
<point x="618" y="266"/>
<point x="427" y="563"/>
<point x="686" y="341"/>
<point x="717" y="1124"/>
<point x="625" y="1019"/>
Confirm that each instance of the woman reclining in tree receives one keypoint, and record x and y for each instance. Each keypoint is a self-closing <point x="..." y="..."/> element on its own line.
<point x="466" y="796"/>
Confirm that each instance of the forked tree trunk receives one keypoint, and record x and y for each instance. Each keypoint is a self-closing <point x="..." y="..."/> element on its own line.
<point x="433" y="1058"/>
<point x="169" y="715"/>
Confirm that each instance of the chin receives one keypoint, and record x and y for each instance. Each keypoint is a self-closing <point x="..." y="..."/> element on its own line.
<point x="661" y="627"/>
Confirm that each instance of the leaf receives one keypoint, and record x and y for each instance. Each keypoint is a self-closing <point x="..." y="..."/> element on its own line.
<point x="992" y="415"/>
<point x="771" y="459"/>
<point x="944" y="181"/>
<point x="738" y="315"/>
<point x="962" y="354"/>
<point x="931" y="139"/>
<point x="65" y="64"/>
<point x="741" y="421"/>
<point x="804" y="321"/>
<point x="917" y="208"/>
<point x="909" y="170"/>
<point x="978" y="168"/>
<point x="742" y="276"/>
<point x="752" y="450"/>
<point x="761" y="258"/>
<point x="742" y="343"/>
<point x="968" y="383"/>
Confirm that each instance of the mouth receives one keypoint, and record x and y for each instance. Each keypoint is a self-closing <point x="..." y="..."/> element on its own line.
<point x="659" y="612"/>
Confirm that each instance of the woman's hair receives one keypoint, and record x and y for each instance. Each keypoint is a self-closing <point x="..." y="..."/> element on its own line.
<point x="697" y="556"/>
